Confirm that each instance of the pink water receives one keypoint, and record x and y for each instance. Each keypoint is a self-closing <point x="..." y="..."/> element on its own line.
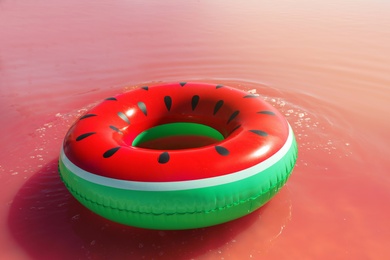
<point x="324" y="64"/>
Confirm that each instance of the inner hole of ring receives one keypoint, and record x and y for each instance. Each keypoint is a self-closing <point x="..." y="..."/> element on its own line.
<point x="175" y="136"/>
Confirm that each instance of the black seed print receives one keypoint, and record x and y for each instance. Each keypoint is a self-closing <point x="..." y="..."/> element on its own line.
<point x="251" y="96"/>
<point x="111" y="98"/>
<point x="259" y="132"/>
<point x="222" y="150"/>
<point x="218" y="105"/>
<point x="234" y="114"/>
<point x="183" y="83"/>
<point x="116" y="129"/>
<point x="142" y="106"/>
<point x="81" y="137"/>
<point x="194" y="102"/>
<point x="234" y="129"/>
<point x="218" y="86"/>
<point x="86" y="116"/>
<point x="145" y="88"/>
<point x="168" y="102"/>
<point x="164" y="157"/>
<point x="266" y="112"/>
<point x="124" y="117"/>
<point x="111" y="152"/>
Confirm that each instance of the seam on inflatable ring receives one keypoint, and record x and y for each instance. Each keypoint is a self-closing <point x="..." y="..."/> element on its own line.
<point x="277" y="185"/>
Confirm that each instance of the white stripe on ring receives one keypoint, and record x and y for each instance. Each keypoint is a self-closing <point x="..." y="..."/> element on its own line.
<point x="180" y="185"/>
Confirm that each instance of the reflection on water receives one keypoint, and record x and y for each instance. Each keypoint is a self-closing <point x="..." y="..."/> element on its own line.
<point x="324" y="65"/>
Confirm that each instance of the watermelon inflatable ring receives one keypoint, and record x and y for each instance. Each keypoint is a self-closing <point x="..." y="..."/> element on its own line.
<point x="130" y="159"/>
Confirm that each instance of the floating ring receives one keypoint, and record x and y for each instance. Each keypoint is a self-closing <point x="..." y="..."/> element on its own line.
<point x="133" y="159"/>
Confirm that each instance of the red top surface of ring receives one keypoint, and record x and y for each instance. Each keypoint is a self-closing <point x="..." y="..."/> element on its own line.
<point x="100" y="141"/>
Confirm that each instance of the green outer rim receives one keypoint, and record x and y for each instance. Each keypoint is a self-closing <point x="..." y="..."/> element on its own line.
<point x="182" y="209"/>
<point x="177" y="129"/>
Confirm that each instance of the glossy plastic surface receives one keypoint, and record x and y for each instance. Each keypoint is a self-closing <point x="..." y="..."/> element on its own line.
<point x="251" y="155"/>
<point x="101" y="141"/>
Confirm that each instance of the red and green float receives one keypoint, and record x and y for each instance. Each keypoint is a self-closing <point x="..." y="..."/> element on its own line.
<point x="178" y="156"/>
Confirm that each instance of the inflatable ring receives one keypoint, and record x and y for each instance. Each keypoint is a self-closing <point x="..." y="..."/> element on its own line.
<point x="125" y="159"/>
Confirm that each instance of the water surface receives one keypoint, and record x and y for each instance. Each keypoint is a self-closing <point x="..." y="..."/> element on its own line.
<point x="324" y="65"/>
